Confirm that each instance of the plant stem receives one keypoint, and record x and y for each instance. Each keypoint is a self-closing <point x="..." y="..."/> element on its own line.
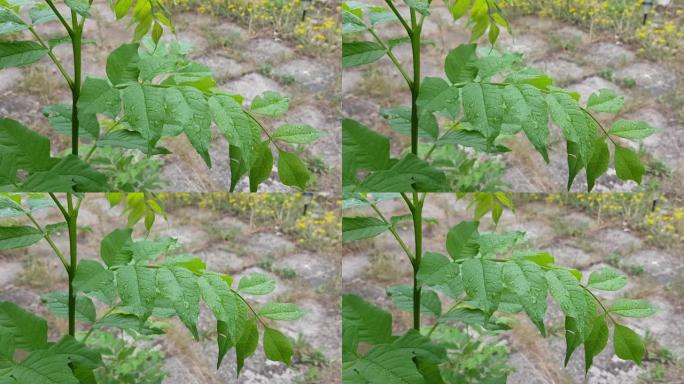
<point x="417" y="214"/>
<point x="416" y="30"/>
<point x="72" y="223"/>
<point x="76" y="90"/>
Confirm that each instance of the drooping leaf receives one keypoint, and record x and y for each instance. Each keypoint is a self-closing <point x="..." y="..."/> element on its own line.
<point x="262" y="167"/>
<point x="145" y="112"/>
<point x="277" y="346"/>
<point x="596" y="341"/>
<point x="598" y="162"/>
<point x="483" y="109"/>
<point x="247" y="343"/>
<point x="529" y="110"/>
<point x="576" y="125"/>
<point x="527" y="281"/>
<point x="628" y="166"/>
<point x="292" y="170"/>
<point x="628" y="344"/>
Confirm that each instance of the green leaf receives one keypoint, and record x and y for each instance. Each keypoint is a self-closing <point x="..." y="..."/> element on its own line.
<point x="607" y="279"/>
<point x="270" y="104"/>
<point x="189" y="108"/>
<point x="263" y="166"/>
<point x="30" y="150"/>
<point x="98" y="96"/>
<point x="529" y="110"/>
<point x="459" y="8"/>
<point x="577" y="328"/>
<point x="369" y="149"/>
<point x="628" y="166"/>
<point x="224" y="340"/>
<point x="437" y="95"/>
<point x="77" y="352"/>
<point x="281" y="311"/>
<point x="384" y="364"/>
<point x="144" y="250"/>
<point x="19" y="237"/>
<point x="115" y="247"/>
<point x="292" y="171"/>
<point x="482" y="281"/>
<point x="247" y="343"/>
<point x="359" y="228"/>
<point x="10" y="22"/>
<point x="70" y="174"/>
<point x="460" y="64"/>
<point x="28" y="330"/>
<point x="361" y="52"/>
<point x="402" y="298"/>
<point x="122" y="64"/>
<point x="632" y="308"/>
<point x="82" y="7"/>
<point x="92" y="276"/>
<point x="421" y="346"/>
<point x="296" y="134"/>
<point x="145" y="112"/>
<point x="372" y="324"/>
<point x="58" y="304"/>
<point x="436" y="270"/>
<point x="179" y="286"/>
<point x="596" y="341"/>
<point x="256" y="284"/>
<point x="527" y="281"/>
<point x="137" y="288"/>
<point x="606" y="100"/>
<point x="576" y="125"/>
<point x="461" y="240"/>
<point x="420" y="6"/>
<point x="408" y="174"/>
<point x="224" y="303"/>
<point x="277" y="346"/>
<point x="60" y="116"/>
<point x="483" y="109"/>
<point x="43" y="367"/>
<point x="628" y="344"/>
<point x="631" y="129"/>
<point x="565" y="288"/>
<point x="20" y="53"/>
<point x="598" y="162"/>
<point x="41" y="13"/>
<point x="121" y="8"/>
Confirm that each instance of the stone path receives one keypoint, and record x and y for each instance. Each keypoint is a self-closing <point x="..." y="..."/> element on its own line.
<point x="227" y="245"/>
<point x="575" y="61"/>
<point x="576" y="239"/>
<point x="242" y="63"/>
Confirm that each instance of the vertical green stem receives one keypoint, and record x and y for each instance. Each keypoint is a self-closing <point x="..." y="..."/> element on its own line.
<point x="76" y="90"/>
<point x="72" y="223"/>
<point x="416" y="30"/>
<point x="417" y="213"/>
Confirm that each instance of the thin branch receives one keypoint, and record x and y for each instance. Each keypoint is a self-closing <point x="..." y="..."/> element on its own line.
<point x="392" y="57"/>
<point x="47" y="237"/>
<point x="393" y="230"/>
<point x="399" y="16"/>
<point x="600" y="125"/>
<point x="251" y="116"/>
<point x="53" y="58"/>
<point x="408" y="202"/>
<point x="60" y="206"/>
<point x="60" y="17"/>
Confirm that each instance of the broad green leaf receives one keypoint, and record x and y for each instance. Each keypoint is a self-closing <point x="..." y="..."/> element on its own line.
<point x="20" y="53"/>
<point x="596" y="341"/>
<point x="527" y="281"/>
<point x="277" y="346"/>
<point x="122" y="64"/>
<point x="82" y="7"/>
<point x="569" y="295"/>
<point x="28" y="330"/>
<point x="77" y="352"/>
<point x="607" y="279"/>
<point x="137" y="288"/>
<point x="70" y="174"/>
<point x="44" y="367"/>
<point x="226" y="305"/>
<point x="606" y="100"/>
<point x="359" y="228"/>
<point x="256" y="284"/>
<point x="296" y="134"/>
<point x="121" y="8"/>
<point x="270" y="104"/>
<point x="92" y="276"/>
<point x="230" y="119"/>
<point x="399" y="119"/>
<point x="30" y="150"/>
<point x="470" y="139"/>
<point x="144" y="250"/>
<point x="461" y="241"/>
<point x="115" y="247"/>
<point x="420" y="6"/>
<point x="60" y="116"/>
<point x="631" y="129"/>
<point x="459" y="8"/>
<point x="281" y="311"/>
<point x="369" y="149"/>
<point x="632" y="308"/>
<point x="361" y="52"/>
<point x="188" y="107"/>
<point x="575" y="162"/>
<point x="58" y="304"/>
<point x="577" y="328"/>
<point x="529" y="110"/>
<point x="145" y="111"/>
<point x="373" y="325"/>
<point x="262" y="167"/>
<point x="437" y="95"/>
<point x="19" y="237"/>
<point x="598" y="162"/>
<point x="292" y="170"/>
<point x="41" y="13"/>
<point x="130" y="140"/>
<point x="482" y="281"/>
<point x="628" y="166"/>
<point x="494" y="243"/>
<point x="10" y="22"/>
<point x="384" y="364"/>
<point x="402" y="298"/>
<point x="628" y="344"/>
<point x="436" y="270"/>
<point x="98" y="96"/>
<point x="483" y="109"/>
<point x="576" y="125"/>
<point x="460" y="64"/>
<point x="531" y="76"/>
<point x="179" y="286"/>
<point x="247" y="343"/>
<point x="408" y="174"/>
<point x="421" y="346"/>
<point x="224" y="340"/>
